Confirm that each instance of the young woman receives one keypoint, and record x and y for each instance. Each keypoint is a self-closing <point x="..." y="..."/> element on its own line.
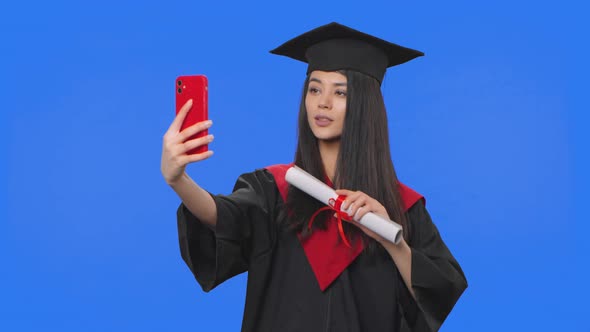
<point x="311" y="275"/>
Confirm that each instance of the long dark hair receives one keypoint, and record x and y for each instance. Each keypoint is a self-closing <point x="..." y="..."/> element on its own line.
<point x="364" y="160"/>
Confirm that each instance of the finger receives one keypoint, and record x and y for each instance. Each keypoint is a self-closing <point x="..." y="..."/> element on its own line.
<point x="353" y="196"/>
<point x="194" y="129"/>
<point x="177" y="123"/>
<point x="357" y="204"/>
<point x="361" y="212"/>
<point x="195" y="143"/>
<point x="198" y="156"/>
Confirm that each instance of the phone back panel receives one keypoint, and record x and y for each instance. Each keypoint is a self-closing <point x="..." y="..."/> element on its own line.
<point x="193" y="87"/>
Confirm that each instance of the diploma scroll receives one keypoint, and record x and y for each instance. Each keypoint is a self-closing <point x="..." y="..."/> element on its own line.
<point x="323" y="193"/>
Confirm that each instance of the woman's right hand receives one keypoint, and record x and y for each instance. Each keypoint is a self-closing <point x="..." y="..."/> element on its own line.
<point x="174" y="147"/>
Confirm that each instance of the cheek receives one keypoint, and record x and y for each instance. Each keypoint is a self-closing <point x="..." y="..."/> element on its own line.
<point x="341" y="108"/>
<point x="308" y="102"/>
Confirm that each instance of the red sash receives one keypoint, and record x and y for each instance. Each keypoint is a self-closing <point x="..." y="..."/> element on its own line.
<point x="327" y="254"/>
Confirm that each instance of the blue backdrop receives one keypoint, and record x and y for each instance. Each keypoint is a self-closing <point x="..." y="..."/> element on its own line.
<point x="491" y="126"/>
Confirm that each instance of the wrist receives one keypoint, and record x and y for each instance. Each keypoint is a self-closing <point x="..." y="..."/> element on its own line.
<point x="396" y="249"/>
<point x="174" y="183"/>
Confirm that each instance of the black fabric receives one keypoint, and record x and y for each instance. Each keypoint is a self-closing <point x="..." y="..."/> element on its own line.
<point x="282" y="292"/>
<point x="335" y="46"/>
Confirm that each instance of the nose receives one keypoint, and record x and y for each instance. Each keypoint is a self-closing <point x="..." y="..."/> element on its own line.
<point x="325" y="101"/>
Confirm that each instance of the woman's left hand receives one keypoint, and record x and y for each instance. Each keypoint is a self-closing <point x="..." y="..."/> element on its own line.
<point x="361" y="204"/>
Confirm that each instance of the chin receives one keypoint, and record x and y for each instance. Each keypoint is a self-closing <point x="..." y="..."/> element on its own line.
<point x="327" y="137"/>
<point x="326" y="134"/>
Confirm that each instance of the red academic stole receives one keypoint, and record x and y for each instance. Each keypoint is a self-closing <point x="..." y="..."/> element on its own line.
<point x="327" y="254"/>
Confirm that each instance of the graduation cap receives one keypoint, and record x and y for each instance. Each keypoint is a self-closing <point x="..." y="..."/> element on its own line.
<point x="335" y="46"/>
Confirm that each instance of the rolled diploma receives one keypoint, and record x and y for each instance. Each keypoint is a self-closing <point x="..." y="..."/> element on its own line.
<point x="323" y="193"/>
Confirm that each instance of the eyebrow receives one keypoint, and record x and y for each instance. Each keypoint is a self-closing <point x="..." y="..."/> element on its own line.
<point x="313" y="79"/>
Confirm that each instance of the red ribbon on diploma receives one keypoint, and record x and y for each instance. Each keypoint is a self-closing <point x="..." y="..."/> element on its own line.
<point x="335" y="205"/>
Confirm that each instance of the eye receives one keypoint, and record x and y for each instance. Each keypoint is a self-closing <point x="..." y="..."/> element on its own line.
<point x="341" y="93"/>
<point x="313" y="90"/>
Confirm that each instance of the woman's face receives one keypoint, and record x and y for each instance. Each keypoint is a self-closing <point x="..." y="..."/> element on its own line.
<point x="325" y="102"/>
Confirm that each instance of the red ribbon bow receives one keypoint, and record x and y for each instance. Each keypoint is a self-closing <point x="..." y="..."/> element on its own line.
<point x="335" y="205"/>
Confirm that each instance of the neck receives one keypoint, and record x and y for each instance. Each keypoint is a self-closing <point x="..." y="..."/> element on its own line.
<point x="329" y="152"/>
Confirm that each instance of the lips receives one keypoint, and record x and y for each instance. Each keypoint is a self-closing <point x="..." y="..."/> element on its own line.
<point x="322" y="120"/>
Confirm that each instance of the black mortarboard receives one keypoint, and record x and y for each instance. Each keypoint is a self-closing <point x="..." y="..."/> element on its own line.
<point x="335" y="46"/>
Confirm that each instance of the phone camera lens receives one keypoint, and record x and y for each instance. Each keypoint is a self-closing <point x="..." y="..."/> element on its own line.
<point x="179" y="83"/>
<point x="179" y="90"/>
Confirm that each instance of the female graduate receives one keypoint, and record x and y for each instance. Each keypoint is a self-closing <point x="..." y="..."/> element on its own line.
<point x="308" y="271"/>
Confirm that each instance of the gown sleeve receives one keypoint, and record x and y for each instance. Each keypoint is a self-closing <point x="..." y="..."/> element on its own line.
<point x="437" y="278"/>
<point x="241" y="232"/>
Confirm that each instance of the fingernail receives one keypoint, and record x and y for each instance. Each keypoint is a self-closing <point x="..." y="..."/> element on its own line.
<point x="210" y="138"/>
<point x="209" y="123"/>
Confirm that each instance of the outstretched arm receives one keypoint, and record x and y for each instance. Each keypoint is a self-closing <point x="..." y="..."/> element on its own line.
<point x="175" y="159"/>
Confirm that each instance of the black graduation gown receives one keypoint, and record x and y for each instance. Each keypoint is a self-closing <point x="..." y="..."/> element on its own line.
<point x="282" y="291"/>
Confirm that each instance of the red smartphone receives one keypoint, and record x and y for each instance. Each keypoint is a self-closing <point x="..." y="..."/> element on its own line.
<point x="193" y="87"/>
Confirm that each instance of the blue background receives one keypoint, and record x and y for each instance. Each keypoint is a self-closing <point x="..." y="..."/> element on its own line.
<point x="491" y="126"/>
